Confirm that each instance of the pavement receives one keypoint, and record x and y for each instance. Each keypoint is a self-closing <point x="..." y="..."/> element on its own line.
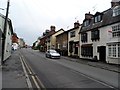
<point x="12" y="74"/>
<point x="97" y="64"/>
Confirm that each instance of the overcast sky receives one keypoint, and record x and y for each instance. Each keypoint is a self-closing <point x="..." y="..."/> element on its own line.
<point x="31" y="18"/>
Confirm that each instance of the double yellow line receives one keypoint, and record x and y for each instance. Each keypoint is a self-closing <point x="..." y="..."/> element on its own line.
<point x="30" y="74"/>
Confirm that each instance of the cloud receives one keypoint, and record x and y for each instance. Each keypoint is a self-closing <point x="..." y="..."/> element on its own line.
<point x="32" y="17"/>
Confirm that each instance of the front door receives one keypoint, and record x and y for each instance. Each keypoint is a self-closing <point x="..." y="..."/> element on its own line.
<point x="102" y="53"/>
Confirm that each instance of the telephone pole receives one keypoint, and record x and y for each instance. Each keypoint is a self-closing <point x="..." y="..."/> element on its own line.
<point x="4" y="31"/>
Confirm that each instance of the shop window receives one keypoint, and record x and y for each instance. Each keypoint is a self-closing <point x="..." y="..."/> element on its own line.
<point x="87" y="51"/>
<point x="114" y="50"/>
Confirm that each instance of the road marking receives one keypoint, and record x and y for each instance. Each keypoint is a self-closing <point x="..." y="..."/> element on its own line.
<point x="34" y="77"/>
<point x="26" y="74"/>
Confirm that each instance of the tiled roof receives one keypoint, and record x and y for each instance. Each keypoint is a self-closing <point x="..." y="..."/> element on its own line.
<point x="107" y="19"/>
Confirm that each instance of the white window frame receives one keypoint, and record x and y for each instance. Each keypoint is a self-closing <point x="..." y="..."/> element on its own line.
<point x="113" y="50"/>
<point x="116" y="11"/>
<point x="116" y="31"/>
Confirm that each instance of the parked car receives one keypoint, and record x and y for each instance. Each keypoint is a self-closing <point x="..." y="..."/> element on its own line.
<point x="52" y="54"/>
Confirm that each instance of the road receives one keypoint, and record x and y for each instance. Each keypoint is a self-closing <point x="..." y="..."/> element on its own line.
<point x="62" y="73"/>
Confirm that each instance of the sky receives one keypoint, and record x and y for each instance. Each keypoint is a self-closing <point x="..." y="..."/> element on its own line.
<point x="30" y="18"/>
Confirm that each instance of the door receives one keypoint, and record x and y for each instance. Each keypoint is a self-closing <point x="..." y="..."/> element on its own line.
<point x="102" y="53"/>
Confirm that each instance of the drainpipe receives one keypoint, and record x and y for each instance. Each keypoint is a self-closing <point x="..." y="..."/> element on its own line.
<point x="4" y="31"/>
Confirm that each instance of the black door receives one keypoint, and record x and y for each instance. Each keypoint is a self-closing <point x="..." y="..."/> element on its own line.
<point x="102" y="53"/>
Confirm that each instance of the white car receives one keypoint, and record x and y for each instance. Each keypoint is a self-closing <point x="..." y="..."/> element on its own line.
<point x="52" y="54"/>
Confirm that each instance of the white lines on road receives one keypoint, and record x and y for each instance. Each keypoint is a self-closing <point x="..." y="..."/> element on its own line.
<point x="31" y="74"/>
<point x="26" y="74"/>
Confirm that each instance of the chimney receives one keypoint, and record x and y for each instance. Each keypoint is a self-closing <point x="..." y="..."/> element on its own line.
<point x="115" y="3"/>
<point x="52" y="28"/>
<point x="76" y="24"/>
<point x="88" y="16"/>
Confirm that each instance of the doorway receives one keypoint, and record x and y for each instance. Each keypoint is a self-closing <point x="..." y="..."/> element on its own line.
<point x="102" y="53"/>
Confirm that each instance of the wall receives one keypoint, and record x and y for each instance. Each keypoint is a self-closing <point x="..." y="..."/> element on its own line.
<point x="8" y="43"/>
<point x="112" y="40"/>
<point x="104" y="38"/>
<point x="75" y="39"/>
<point x="53" y="39"/>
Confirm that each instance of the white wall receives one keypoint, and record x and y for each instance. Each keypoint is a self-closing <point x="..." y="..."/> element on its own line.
<point x="8" y="43"/>
<point x="101" y="42"/>
<point x="75" y="39"/>
<point x="112" y="40"/>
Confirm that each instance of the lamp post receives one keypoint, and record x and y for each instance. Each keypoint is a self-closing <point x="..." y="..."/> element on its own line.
<point x="4" y="31"/>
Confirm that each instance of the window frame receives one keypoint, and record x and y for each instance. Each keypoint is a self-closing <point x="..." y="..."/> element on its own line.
<point x="97" y="18"/>
<point x="116" y="11"/>
<point x="116" y="31"/>
<point x="84" y="37"/>
<point x="72" y="34"/>
<point x="86" y="23"/>
<point x="87" y="51"/>
<point x="113" y="50"/>
<point x="95" y="35"/>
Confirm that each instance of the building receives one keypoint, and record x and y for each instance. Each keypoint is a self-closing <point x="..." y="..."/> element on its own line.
<point x="51" y="40"/>
<point x="15" y="38"/>
<point x="45" y="38"/>
<point x="100" y="33"/>
<point x="73" y="40"/>
<point x="5" y="52"/>
<point x="21" y="42"/>
<point x="62" y="43"/>
<point x="15" y="41"/>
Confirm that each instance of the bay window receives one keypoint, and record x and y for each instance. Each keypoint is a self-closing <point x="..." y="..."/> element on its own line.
<point x="114" y="50"/>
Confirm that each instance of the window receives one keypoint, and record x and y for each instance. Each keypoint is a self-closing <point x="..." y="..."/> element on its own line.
<point x="119" y="50"/>
<point x="97" y="18"/>
<point x="109" y="50"/>
<point x="116" y="11"/>
<point x="86" y="23"/>
<point x="114" y="50"/>
<point x="95" y="35"/>
<point x="116" y="31"/>
<point x="84" y="37"/>
<point x="72" y="34"/>
<point x="87" y="51"/>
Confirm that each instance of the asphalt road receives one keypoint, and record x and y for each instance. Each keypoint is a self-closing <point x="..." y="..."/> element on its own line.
<point x="61" y="73"/>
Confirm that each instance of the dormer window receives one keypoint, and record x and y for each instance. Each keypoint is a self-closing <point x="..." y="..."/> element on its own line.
<point x="86" y="23"/>
<point x="97" y="18"/>
<point x="116" y="11"/>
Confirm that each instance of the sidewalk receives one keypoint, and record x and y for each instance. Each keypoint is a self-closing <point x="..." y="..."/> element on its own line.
<point x="102" y="65"/>
<point x="12" y="73"/>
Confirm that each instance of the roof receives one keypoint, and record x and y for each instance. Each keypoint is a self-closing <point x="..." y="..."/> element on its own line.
<point x="107" y="19"/>
<point x="62" y="33"/>
<point x="115" y="1"/>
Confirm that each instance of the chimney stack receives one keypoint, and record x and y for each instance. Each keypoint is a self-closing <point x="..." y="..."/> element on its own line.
<point x="115" y="3"/>
<point x="52" y="28"/>
<point x="88" y="16"/>
<point x="76" y="24"/>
